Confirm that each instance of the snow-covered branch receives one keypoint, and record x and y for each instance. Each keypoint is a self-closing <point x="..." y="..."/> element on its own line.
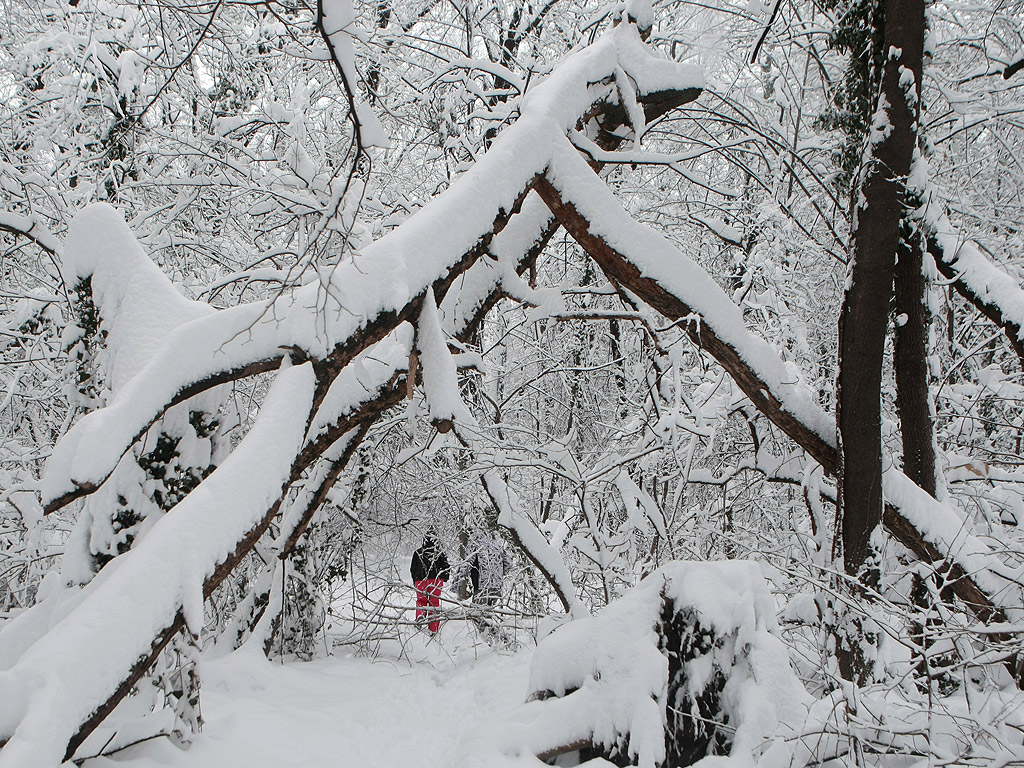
<point x="365" y="299"/>
<point x="349" y="325"/>
<point x="29" y="227"/>
<point x="70" y="679"/>
<point x="531" y="541"/>
<point x="648" y="265"/>
<point x="991" y="290"/>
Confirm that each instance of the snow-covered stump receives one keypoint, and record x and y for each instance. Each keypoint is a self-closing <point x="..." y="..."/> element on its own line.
<point x="686" y="665"/>
<point x="695" y="722"/>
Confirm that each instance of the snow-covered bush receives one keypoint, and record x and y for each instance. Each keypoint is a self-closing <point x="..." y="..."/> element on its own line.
<point x="686" y="665"/>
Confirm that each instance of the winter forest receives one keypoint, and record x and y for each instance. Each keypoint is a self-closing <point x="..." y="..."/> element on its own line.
<point x="511" y="382"/>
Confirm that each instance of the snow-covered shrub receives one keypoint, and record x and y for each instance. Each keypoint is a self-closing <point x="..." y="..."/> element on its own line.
<point x="686" y="665"/>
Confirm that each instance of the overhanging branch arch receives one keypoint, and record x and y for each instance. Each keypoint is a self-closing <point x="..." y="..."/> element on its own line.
<point x="493" y="222"/>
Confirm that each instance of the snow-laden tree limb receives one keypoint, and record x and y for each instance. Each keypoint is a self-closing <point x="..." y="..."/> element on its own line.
<point x="31" y="228"/>
<point x="992" y="291"/>
<point x="531" y="541"/>
<point x="70" y="679"/>
<point x="361" y="301"/>
<point x="647" y="264"/>
<point x="332" y="323"/>
<point x="137" y="306"/>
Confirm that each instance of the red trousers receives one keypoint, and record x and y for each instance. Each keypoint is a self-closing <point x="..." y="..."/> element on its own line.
<point x="428" y="594"/>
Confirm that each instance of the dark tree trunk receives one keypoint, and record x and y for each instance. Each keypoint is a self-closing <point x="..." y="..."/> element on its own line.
<point x="882" y="198"/>
<point x="910" y="363"/>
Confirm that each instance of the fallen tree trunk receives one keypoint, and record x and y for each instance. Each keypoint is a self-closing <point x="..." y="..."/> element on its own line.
<point x="74" y="676"/>
<point x="367" y="300"/>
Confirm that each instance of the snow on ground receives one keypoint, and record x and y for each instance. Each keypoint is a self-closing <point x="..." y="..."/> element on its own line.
<point x="344" y="710"/>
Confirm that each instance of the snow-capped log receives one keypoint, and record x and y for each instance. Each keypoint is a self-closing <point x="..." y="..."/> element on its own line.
<point x="648" y="265"/>
<point x="993" y="292"/>
<point x="69" y="680"/>
<point x="687" y="664"/>
<point x="365" y="299"/>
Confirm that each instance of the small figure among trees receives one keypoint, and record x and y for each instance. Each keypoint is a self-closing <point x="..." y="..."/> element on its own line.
<point x="488" y="563"/>
<point x="430" y="570"/>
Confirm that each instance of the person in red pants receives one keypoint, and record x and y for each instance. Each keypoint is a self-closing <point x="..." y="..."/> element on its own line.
<point x="429" y="573"/>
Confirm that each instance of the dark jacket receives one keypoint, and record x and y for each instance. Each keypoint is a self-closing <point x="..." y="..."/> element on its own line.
<point x="429" y="562"/>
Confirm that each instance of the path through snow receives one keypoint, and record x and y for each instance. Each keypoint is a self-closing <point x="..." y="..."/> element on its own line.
<point x="339" y="711"/>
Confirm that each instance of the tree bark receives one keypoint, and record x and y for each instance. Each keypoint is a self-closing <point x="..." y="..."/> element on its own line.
<point x="882" y="198"/>
<point x="911" y="366"/>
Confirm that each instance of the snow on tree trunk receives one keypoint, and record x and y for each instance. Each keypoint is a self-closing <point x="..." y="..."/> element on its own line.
<point x="910" y="360"/>
<point x="913" y="397"/>
<point x="880" y="201"/>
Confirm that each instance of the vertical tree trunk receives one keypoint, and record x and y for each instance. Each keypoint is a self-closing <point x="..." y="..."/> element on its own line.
<point x="913" y="402"/>
<point x="910" y="363"/>
<point x="864" y="317"/>
<point x="373" y="73"/>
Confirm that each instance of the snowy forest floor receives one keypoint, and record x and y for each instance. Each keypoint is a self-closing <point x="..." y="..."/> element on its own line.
<point x="407" y="706"/>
